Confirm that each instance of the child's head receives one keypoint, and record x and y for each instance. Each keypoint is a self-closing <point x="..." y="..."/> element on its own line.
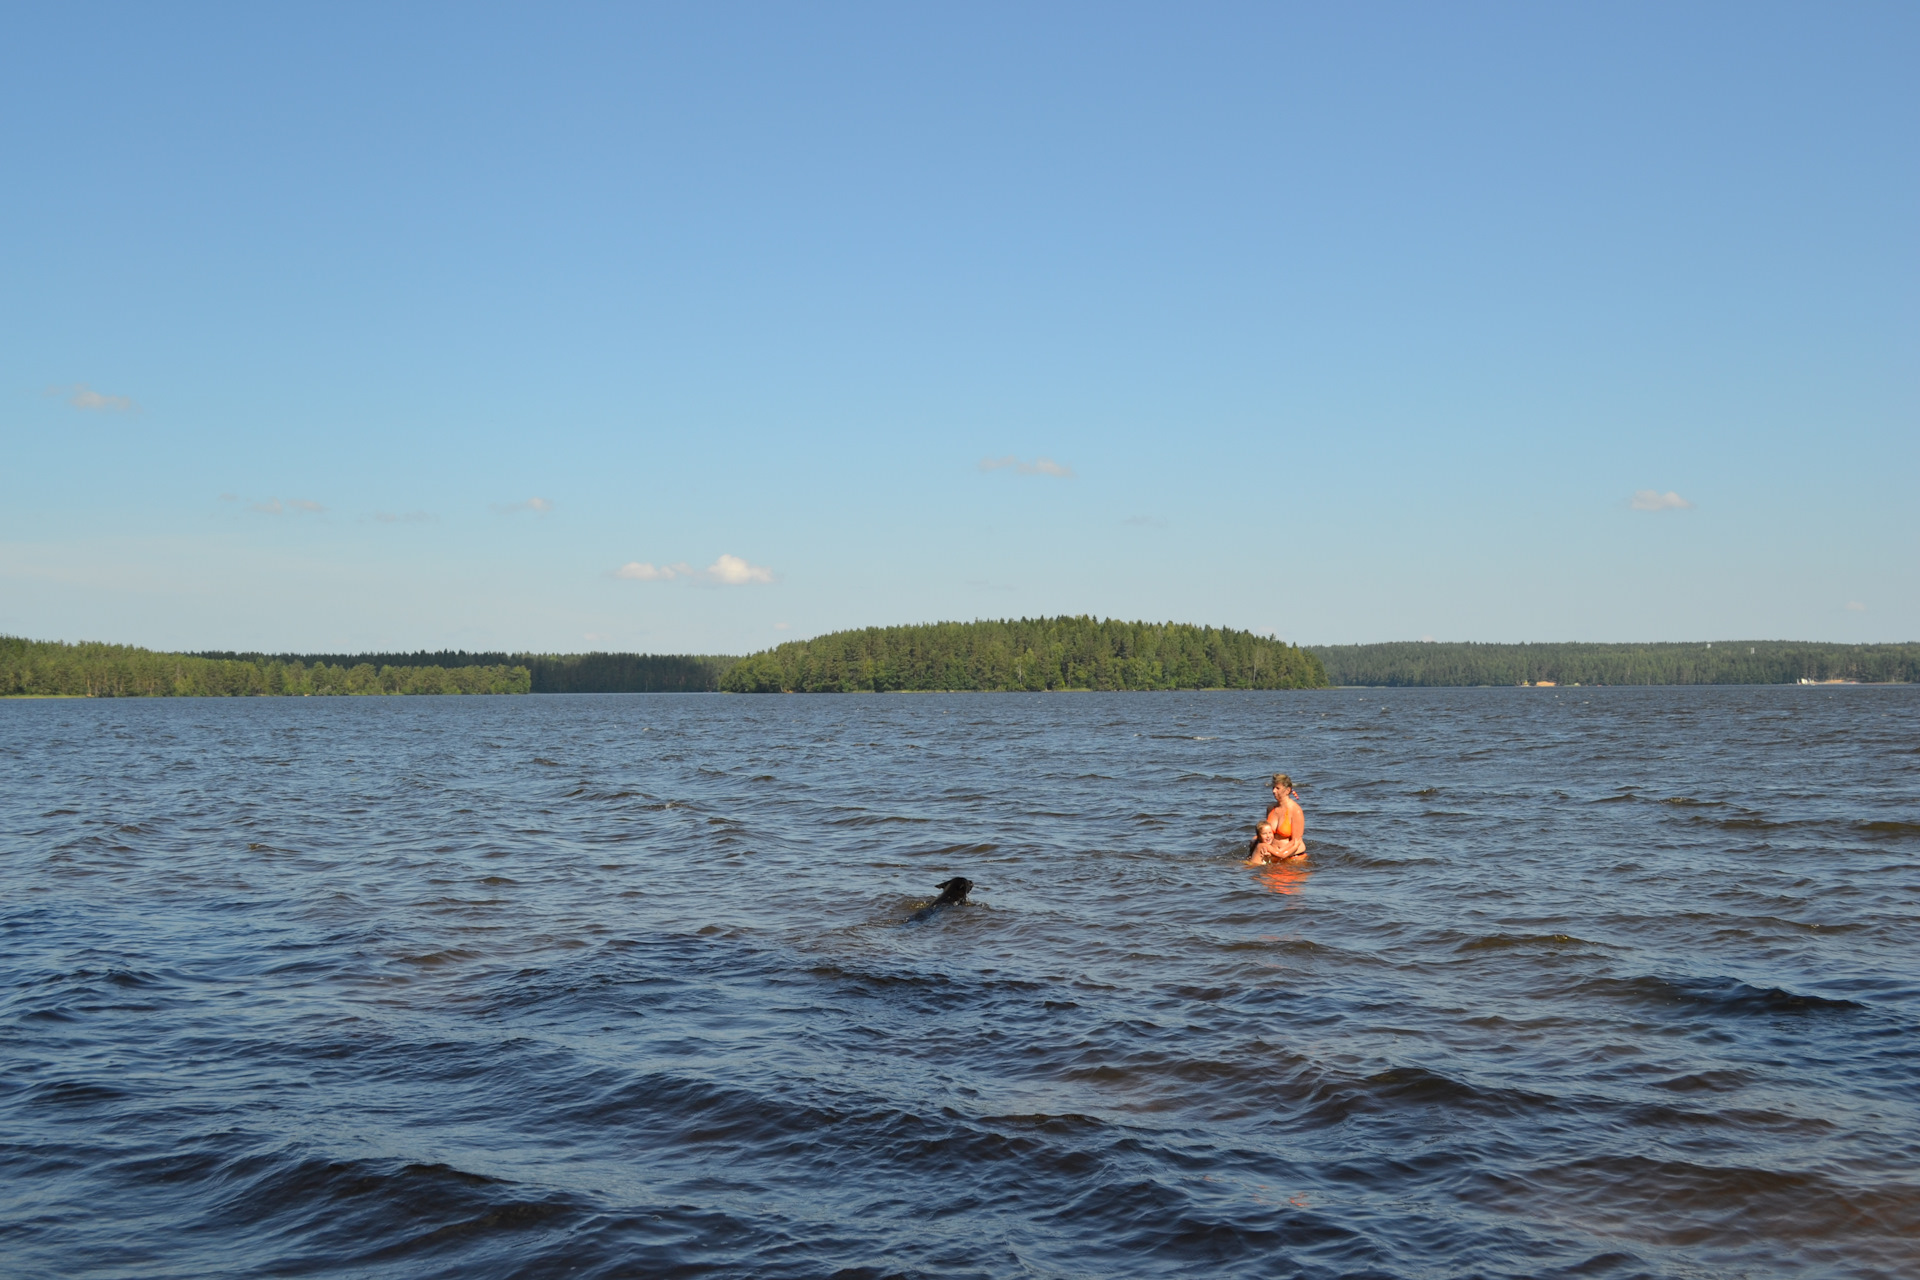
<point x="1266" y="831"/>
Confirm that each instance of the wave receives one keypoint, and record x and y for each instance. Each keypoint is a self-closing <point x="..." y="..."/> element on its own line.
<point x="1508" y="941"/>
<point x="1336" y="1099"/>
<point x="1793" y="1218"/>
<point x="1886" y="829"/>
<point x="1723" y="996"/>
<point x="1723" y="1080"/>
<point x="875" y="820"/>
<point x="360" y="1212"/>
<point x="1750" y="823"/>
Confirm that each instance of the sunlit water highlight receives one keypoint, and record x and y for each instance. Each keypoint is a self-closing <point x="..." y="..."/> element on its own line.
<point x="1597" y="982"/>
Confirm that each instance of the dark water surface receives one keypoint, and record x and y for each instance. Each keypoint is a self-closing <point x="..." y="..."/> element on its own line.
<point x="1594" y="982"/>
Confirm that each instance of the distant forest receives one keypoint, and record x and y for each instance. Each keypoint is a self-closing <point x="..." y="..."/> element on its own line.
<point x="550" y="672"/>
<point x="1721" y="662"/>
<point x="1029" y="654"/>
<point x="36" y="667"/>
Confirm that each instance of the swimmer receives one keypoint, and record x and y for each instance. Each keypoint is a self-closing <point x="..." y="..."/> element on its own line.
<point x="1267" y="848"/>
<point x="1288" y="819"/>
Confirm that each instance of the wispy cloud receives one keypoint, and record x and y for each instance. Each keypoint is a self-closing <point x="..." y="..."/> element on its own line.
<point x="405" y="517"/>
<point x="1854" y="606"/>
<point x="539" y="506"/>
<point x="641" y="571"/>
<point x="1145" y="522"/>
<point x="1038" y="467"/>
<point x="85" y="397"/>
<point x="729" y="571"/>
<point x="1654" y="500"/>
<point x="275" y="507"/>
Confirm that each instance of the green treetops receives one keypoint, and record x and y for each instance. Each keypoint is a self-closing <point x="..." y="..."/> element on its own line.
<point x="1028" y="654"/>
<point x="122" y="671"/>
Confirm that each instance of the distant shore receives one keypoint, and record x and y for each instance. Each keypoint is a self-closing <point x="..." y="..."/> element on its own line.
<point x="50" y="669"/>
<point x="1030" y="655"/>
<point x="1429" y="664"/>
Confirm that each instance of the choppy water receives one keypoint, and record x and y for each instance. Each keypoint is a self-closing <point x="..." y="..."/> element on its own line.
<point x="1602" y="982"/>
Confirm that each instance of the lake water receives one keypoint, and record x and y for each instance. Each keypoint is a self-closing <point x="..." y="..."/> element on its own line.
<point x="1578" y="982"/>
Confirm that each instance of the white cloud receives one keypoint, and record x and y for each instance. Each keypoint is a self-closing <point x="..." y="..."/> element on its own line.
<point x="275" y="507"/>
<point x="728" y="570"/>
<point x="1145" y="522"/>
<point x="85" y="397"/>
<point x="404" y="517"/>
<point x="1854" y="606"/>
<point x="1038" y="467"/>
<point x="1654" y="500"/>
<point x="539" y="506"/>
<point x="641" y="571"/>
<point x="734" y="572"/>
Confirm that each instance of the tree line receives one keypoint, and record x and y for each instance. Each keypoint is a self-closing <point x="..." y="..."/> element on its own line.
<point x="549" y="672"/>
<point x="1028" y="654"/>
<point x="1721" y="662"/>
<point x="1024" y="654"/>
<point x="51" y="668"/>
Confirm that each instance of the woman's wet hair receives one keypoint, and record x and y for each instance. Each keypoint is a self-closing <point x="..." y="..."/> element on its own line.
<point x="1282" y="780"/>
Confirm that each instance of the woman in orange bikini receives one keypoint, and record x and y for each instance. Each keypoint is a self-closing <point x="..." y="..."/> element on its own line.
<point x="1283" y="835"/>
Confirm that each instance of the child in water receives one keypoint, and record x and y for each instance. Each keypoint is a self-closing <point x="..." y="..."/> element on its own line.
<point x="1268" y="848"/>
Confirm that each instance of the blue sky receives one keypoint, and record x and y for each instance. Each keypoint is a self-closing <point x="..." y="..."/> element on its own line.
<point x="703" y="327"/>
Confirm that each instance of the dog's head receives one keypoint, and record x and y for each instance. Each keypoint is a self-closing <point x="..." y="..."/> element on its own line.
<point x="956" y="889"/>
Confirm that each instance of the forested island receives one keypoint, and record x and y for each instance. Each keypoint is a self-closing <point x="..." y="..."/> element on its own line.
<point x="52" y="669"/>
<point x="1416" y="663"/>
<point x="1030" y="654"/>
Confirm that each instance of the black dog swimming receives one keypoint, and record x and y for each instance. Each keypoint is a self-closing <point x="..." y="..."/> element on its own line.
<point x="952" y="893"/>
